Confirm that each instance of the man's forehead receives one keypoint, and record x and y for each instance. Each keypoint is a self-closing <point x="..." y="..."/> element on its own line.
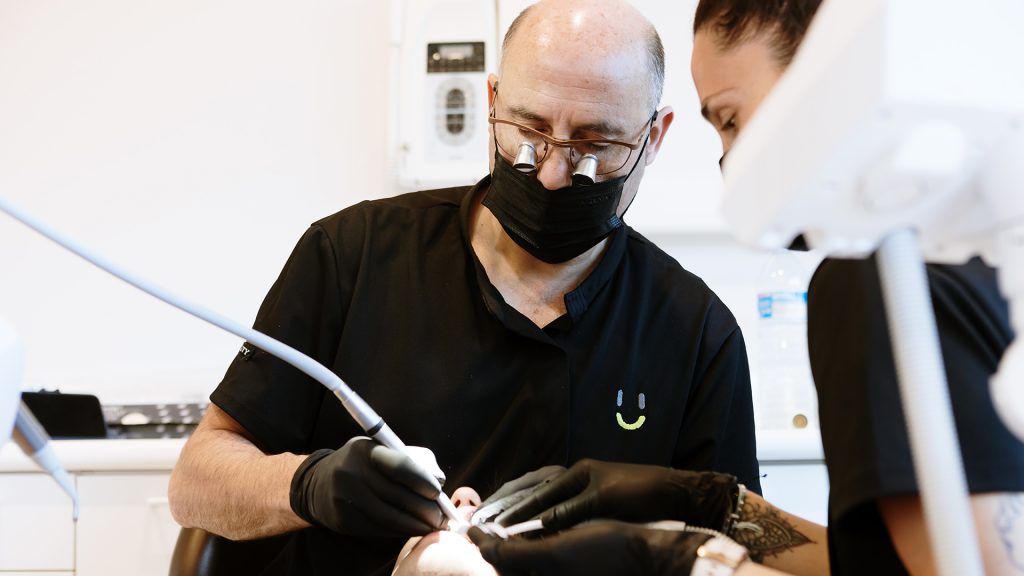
<point x="609" y="97"/>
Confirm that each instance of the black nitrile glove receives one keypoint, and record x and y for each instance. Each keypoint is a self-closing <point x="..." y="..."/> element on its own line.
<point x="603" y="547"/>
<point x="632" y="492"/>
<point x="366" y="489"/>
<point x="514" y="491"/>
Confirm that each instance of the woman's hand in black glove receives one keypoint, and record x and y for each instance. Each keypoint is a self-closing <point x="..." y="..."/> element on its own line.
<point x="591" y="489"/>
<point x="605" y="547"/>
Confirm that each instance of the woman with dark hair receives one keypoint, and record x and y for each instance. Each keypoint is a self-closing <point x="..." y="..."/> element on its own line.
<point x="876" y="522"/>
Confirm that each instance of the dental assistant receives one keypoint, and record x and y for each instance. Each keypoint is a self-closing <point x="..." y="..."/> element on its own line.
<point x="876" y="523"/>
<point x="507" y="326"/>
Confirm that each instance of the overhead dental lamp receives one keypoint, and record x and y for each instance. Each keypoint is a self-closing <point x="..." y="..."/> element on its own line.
<point x="899" y="126"/>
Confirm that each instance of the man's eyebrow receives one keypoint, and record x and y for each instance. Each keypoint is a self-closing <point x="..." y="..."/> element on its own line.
<point x="524" y="114"/>
<point x="605" y="129"/>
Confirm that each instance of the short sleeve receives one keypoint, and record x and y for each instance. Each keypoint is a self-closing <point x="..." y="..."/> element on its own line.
<point x="275" y="402"/>
<point x="718" y="426"/>
<point x="863" y="429"/>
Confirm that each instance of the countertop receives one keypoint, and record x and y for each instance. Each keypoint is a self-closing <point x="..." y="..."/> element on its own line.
<point x="161" y="454"/>
<point x="101" y="455"/>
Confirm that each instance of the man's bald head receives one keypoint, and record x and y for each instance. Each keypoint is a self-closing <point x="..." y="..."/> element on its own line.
<point x="597" y="27"/>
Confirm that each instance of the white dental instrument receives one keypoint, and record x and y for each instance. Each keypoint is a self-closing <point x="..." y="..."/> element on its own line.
<point x="504" y="532"/>
<point x="523" y="527"/>
<point x="360" y="411"/>
<point x="17" y="420"/>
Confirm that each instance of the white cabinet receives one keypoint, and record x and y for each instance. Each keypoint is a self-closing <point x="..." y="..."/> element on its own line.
<point x="799" y="488"/>
<point x="37" y="533"/>
<point x="125" y="528"/>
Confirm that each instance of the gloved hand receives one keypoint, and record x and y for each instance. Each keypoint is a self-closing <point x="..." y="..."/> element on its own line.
<point x="367" y="489"/>
<point x="603" y="547"/>
<point x="631" y="492"/>
<point x="514" y="491"/>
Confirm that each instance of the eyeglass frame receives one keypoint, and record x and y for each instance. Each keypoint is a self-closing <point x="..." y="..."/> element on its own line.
<point x="569" y="143"/>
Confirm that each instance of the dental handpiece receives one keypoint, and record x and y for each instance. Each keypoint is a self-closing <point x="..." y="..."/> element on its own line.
<point x="360" y="411"/>
<point x="377" y="429"/>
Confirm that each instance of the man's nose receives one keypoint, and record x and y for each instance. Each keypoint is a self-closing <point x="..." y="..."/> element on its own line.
<point x="556" y="170"/>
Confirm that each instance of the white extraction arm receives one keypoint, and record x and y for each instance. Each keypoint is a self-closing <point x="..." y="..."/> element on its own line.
<point x="899" y="126"/>
<point x="17" y="421"/>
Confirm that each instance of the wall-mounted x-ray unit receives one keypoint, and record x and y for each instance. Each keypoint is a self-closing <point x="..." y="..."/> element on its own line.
<point x="442" y="51"/>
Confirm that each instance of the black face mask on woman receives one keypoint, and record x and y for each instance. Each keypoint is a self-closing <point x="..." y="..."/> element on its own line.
<point x="554" y="225"/>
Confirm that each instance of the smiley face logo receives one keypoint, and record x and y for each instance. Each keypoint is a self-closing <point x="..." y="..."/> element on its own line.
<point x="636" y="423"/>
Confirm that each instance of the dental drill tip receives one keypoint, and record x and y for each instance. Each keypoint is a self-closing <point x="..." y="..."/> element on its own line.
<point x="449" y="509"/>
<point x="461" y="528"/>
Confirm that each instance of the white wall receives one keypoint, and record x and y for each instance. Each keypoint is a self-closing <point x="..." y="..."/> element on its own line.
<point x="193" y="140"/>
<point x="190" y="140"/>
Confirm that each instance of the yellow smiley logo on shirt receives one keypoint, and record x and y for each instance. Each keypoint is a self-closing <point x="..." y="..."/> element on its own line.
<point x="636" y="423"/>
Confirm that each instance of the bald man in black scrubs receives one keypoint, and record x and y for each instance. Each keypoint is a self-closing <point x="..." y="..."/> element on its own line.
<point x="507" y="326"/>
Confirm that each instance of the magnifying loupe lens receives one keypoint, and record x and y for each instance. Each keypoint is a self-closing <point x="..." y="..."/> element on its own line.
<point x="586" y="170"/>
<point x="526" y="158"/>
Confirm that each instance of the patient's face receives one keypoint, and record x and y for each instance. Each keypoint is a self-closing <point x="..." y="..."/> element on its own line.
<point x="445" y="553"/>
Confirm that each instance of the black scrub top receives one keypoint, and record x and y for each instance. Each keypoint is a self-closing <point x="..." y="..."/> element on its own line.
<point x="390" y="296"/>
<point x="862" y="426"/>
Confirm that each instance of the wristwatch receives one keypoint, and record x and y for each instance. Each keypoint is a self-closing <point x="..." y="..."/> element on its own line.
<point x="719" y="556"/>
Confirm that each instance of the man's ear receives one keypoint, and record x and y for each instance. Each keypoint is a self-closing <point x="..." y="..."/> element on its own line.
<point x="658" y="130"/>
<point x="492" y="90"/>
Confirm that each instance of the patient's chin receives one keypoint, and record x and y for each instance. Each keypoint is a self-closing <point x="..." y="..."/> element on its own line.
<point x="444" y="553"/>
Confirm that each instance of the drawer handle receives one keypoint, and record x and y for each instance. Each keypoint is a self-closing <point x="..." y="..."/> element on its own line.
<point x="156" y="501"/>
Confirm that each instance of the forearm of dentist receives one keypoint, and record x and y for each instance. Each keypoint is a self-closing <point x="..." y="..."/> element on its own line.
<point x="225" y="484"/>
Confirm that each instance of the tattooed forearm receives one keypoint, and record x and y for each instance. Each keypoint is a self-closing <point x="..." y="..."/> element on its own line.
<point x="765" y="532"/>
<point x="1010" y="526"/>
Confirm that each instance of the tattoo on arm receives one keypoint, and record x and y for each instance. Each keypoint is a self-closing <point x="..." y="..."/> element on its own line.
<point x="1011" y="529"/>
<point x="775" y="535"/>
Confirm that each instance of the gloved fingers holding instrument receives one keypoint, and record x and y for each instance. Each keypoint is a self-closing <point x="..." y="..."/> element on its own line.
<point x="631" y="492"/>
<point x="365" y="488"/>
<point x="514" y="491"/>
<point x="605" y="547"/>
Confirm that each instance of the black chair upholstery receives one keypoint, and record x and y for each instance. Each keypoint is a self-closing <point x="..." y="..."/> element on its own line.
<point x="199" y="553"/>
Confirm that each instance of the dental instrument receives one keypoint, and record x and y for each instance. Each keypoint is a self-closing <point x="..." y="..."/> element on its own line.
<point x="18" y="422"/>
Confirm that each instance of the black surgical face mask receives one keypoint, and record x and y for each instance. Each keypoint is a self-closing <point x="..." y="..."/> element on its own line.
<point x="553" y="225"/>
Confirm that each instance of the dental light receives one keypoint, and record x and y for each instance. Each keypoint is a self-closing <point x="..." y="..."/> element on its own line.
<point x="900" y="126"/>
<point x="361" y="412"/>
